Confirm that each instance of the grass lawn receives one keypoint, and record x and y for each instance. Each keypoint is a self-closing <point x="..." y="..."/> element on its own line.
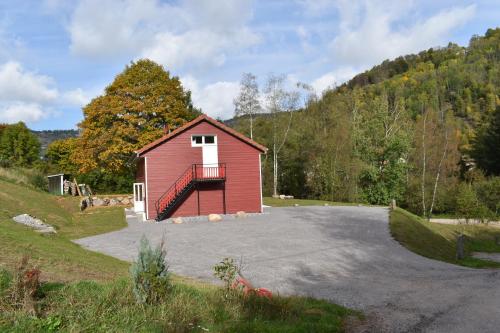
<point x="58" y="258"/>
<point x="277" y="202"/>
<point x="84" y="291"/>
<point x="438" y="241"/>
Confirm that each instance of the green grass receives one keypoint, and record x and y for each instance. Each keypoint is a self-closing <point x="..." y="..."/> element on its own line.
<point x="58" y="258"/>
<point x="189" y="307"/>
<point x="276" y="202"/>
<point x="84" y="291"/>
<point x="438" y="241"/>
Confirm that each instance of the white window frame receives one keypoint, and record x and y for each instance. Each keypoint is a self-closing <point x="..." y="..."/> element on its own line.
<point x="194" y="144"/>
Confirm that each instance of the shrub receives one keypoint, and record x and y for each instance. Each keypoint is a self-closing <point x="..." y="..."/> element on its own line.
<point x="468" y="205"/>
<point x="150" y="275"/>
<point x="488" y="193"/>
<point x="25" y="287"/>
<point x="38" y="181"/>
<point x="226" y="271"/>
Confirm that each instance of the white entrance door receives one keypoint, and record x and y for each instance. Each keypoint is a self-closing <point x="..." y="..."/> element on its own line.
<point x="210" y="157"/>
<point x="139" y="197"/>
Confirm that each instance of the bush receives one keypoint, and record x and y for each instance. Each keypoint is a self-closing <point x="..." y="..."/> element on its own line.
<point x="150" y="275"/>
<point x="38" y="181"/>
<point x="468" y="205"/>
<point x="488" y="193"/>
<point x="226" y="271"/>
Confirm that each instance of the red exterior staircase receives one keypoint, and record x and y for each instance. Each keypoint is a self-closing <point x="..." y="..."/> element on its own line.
<point x="178" y="192"/>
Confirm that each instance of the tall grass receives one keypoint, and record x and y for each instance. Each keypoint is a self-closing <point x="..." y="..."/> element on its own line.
<point x="22" y="176"/>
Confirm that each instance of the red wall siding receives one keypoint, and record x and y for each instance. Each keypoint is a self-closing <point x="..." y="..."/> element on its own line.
<point x="167" y="162"/>
<point x="139" y="174"/>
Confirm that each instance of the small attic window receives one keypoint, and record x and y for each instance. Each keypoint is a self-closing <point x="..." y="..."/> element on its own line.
<point x="197" y="140"/>
<point x="209" y="139"/>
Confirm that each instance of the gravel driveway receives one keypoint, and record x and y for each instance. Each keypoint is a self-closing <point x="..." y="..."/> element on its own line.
<point x="343" y="254"/>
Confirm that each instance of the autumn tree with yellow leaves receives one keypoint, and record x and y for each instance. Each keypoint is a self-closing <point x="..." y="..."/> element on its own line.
<point x="134" y="110"/>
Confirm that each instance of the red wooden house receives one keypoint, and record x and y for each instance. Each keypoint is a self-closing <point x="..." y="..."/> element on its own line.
<point x="201" y="168"/>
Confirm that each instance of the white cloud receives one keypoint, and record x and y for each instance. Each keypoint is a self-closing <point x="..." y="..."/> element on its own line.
<point x="372" y="31"/>
<point x="31" y="97"/>
<point x="332" y="79"/>
<point x="193" y="32"/>
<point x="77" y="97"/>
<point x="18" y="84"/>
<point x="216" y="99"/>
<point x="19" y="111"/>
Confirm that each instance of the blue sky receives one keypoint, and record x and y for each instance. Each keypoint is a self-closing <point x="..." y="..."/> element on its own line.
<point x="56" y="55"/>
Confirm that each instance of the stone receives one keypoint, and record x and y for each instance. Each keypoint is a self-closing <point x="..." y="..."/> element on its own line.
<point x="125" y="201"/>
<point x="98" y="202"/>
<point x="113" y="202"/>
<point x="45" y="231"/>
<point x="288" y="196"/>
<point x="119" y="199"/>
<point x="83" y="204"/>
<point x="241" y="214"/>
<point x="177" y="220"/>
<point x="327" y="204"/>
<point x="214" y="218"/>
<point x="296" y="205"/>
<point x="35" y="223"/>
<point x="282" y="196"/>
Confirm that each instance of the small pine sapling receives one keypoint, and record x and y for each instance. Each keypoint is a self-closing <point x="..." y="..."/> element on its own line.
<point x="150" y="275"/>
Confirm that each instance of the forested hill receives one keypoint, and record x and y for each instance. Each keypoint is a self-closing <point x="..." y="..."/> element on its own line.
<point x="414" y="129"/>
<point x="48" y="136"/>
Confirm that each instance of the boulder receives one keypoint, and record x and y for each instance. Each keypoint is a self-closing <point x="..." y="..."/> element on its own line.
<point x="241" y="214"/>
<point x="113" y="202"/>
<point x="282" y="196"/>
<point x="119" y="199"/>
<point x="99" y="202"/>
<point x="214" y="218"/>
<point x="125" y="201"/>
<point x="296" y="205"/>
<point x="35" y="223"/>
<point x="288" y="196"/>
<point x="177" y="220"/>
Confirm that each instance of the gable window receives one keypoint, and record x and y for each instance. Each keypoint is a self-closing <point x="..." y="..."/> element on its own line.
<point x="201" y="140"/>
<point x="196" y="140"/>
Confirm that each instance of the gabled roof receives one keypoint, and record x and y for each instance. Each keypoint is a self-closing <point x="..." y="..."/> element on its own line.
<point x="195" y="122"/>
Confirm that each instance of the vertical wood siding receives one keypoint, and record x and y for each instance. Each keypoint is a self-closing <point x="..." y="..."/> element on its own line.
<point x="168" y="161"/>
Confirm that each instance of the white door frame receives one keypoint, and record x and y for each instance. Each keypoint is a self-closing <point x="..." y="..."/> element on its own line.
<point x="139" y="196"/>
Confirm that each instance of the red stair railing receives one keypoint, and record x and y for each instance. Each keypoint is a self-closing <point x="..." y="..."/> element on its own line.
<point x="196" y="172"/>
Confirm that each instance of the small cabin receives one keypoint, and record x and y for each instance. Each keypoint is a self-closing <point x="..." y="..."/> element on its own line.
<point x="201" y="168"/>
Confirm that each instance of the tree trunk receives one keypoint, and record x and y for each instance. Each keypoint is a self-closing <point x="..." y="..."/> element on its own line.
<point x="275" y="171"/>
<point x="251" y="127"/>
<point x="424" y="210"/>
<point x="438" y="173"/>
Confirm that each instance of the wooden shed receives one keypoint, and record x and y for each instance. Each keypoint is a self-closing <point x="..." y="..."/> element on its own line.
<point x="56" y="183"/>
<point x="201" y="168"/>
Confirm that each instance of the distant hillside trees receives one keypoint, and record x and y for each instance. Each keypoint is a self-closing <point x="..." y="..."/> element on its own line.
<point x="18" y="146"/>
<point x="401" y="130"/>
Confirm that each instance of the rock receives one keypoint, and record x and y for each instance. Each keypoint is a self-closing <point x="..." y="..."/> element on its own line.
<point x="288" y="196"/>
<point x="83" y="204"/>
<point x="177" y="220"/>
<point x="125" y="201"/>
<point x="119" y="199"/>
<point x="113" y="202"/>
<point x="241" y="214"/>
<point x="296" y="205"/>
<point x="35" y="223"/>
<point x="327" y="204"/>
<point x="99" y="202"/>
<point x="214" y="218"/>
<point x="282" y="196"/>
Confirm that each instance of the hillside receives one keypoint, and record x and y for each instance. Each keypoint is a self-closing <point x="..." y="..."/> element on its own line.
<point x="47" y="136"/>
<point x="409" y="129"/>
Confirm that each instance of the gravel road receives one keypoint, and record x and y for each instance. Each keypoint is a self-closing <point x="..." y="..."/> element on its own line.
<point x="343" y="254"/>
